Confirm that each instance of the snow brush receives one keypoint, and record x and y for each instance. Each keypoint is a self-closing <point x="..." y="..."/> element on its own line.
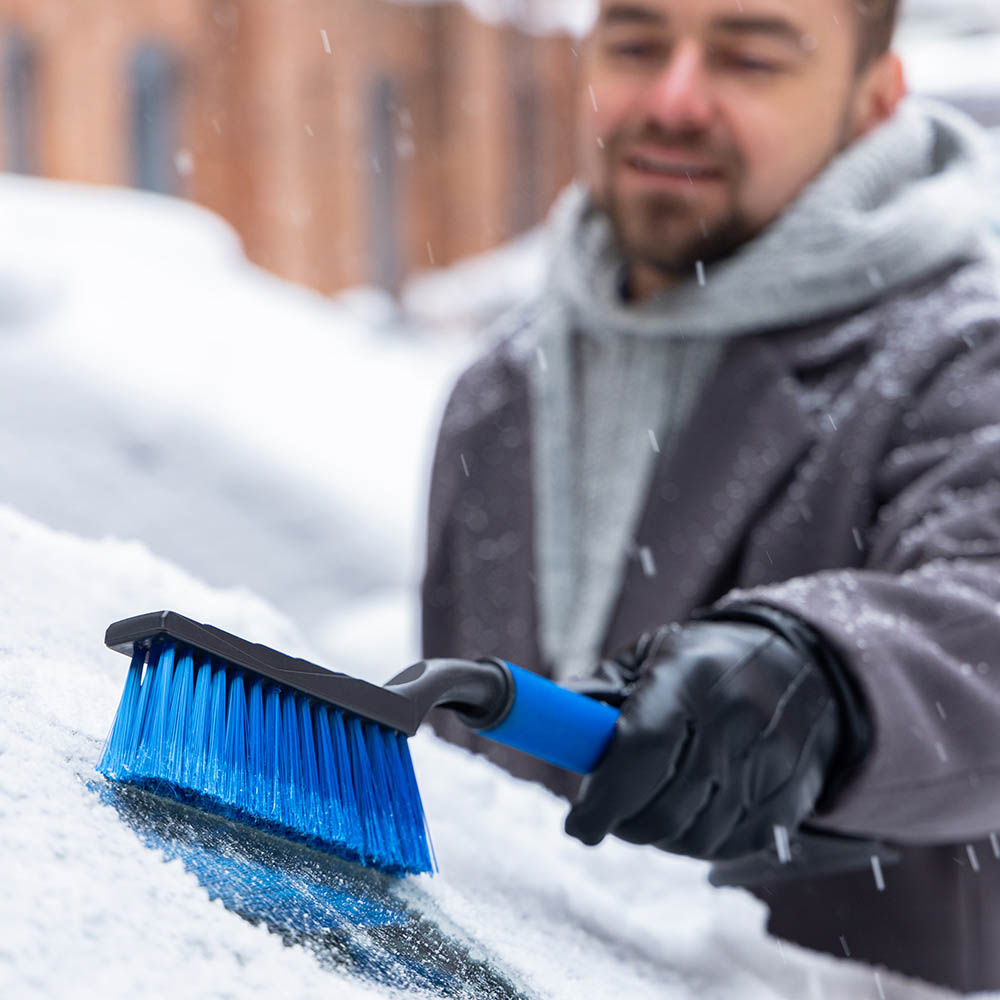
<point x="310" y="754"/>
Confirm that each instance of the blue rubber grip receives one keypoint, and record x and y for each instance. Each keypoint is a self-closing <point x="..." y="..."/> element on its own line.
<point x="562" y="727"/>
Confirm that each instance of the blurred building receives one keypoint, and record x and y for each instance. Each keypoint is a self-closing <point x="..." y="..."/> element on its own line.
<point x="348" y="141"/>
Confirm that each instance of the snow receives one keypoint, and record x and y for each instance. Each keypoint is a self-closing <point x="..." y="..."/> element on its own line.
<point x="950" y="67"/>
<point x="90" y="910"/>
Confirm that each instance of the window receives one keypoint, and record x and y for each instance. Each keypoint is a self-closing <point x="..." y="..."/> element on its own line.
<point x="384" y="208"/>
<point x="154" y="86"/>
<point x="18" y="86"/>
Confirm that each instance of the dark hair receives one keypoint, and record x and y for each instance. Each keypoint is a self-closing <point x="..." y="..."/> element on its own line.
<point x="877" y="21"/>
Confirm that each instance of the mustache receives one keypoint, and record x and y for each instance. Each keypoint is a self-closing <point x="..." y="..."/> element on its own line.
<point x="686" y="139"/>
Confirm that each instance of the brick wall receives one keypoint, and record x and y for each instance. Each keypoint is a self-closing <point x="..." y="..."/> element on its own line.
<point x="348" y="141"/>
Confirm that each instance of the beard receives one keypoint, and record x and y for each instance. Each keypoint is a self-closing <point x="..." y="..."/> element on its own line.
<point x="668" y="234"/>
<point x="671" y="232"/>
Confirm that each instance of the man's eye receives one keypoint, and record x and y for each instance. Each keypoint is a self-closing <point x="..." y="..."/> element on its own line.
<point x="747" y="64"/>
<point x="636" y="50"/>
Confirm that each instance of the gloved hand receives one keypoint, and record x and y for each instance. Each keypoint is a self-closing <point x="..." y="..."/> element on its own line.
<point x="729" y="726"/>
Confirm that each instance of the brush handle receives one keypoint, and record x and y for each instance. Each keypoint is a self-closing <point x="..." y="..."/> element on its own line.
<point x="554" y="724"/>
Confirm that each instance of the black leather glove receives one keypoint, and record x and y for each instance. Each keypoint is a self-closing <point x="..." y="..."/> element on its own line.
<point x="730" y="726"/>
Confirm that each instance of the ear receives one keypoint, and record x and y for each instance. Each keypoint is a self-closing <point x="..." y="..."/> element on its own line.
<point x="881" y="88"/>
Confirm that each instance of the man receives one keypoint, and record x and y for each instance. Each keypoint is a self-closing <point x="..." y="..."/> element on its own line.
<point x="759" y="399"/>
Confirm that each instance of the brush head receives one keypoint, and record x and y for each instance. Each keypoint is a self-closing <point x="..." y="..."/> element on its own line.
<point x="369" y="701"/>
<point x="244" y="731"/>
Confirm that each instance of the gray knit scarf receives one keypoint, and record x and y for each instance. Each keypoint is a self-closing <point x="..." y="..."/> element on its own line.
<point x="612" y="382"/>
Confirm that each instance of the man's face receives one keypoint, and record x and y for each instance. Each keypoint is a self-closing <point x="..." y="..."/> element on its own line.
<point x="703" y="119"/>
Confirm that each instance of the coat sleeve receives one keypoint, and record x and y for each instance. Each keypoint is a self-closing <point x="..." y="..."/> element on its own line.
<point x="918" y="625"/>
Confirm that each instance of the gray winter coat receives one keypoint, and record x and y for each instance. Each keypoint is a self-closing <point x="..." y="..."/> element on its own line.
<point x="847" y="472"/>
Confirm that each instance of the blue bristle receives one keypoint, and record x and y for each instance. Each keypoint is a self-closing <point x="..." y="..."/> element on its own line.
<point x="236" y="783"/>
<point x="345" y="813"/>
<point x="118" y="747"/>
<point x="202" y="731"/>
<point x="153" y="735"/>
<point x="310" y="816"/>
<point x="194" y="765"/>
<point x="181" y="697"/>
<point x="412" y="822"/>
<point x="288" y="762"/>
<point x="386" y="823"/>
<point x="272" y="751"/>
<point x="215" y="750"/>
<point x="326" y="793"/>
<point x="352" y="815"/>
<point x="255" y="741"/>
<point x="135" y="732"/>
<point x="331" y="797"/>
<point x="364" y="788"/>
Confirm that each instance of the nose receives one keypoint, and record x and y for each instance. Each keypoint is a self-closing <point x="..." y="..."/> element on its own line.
<point x="680" y="96"/>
